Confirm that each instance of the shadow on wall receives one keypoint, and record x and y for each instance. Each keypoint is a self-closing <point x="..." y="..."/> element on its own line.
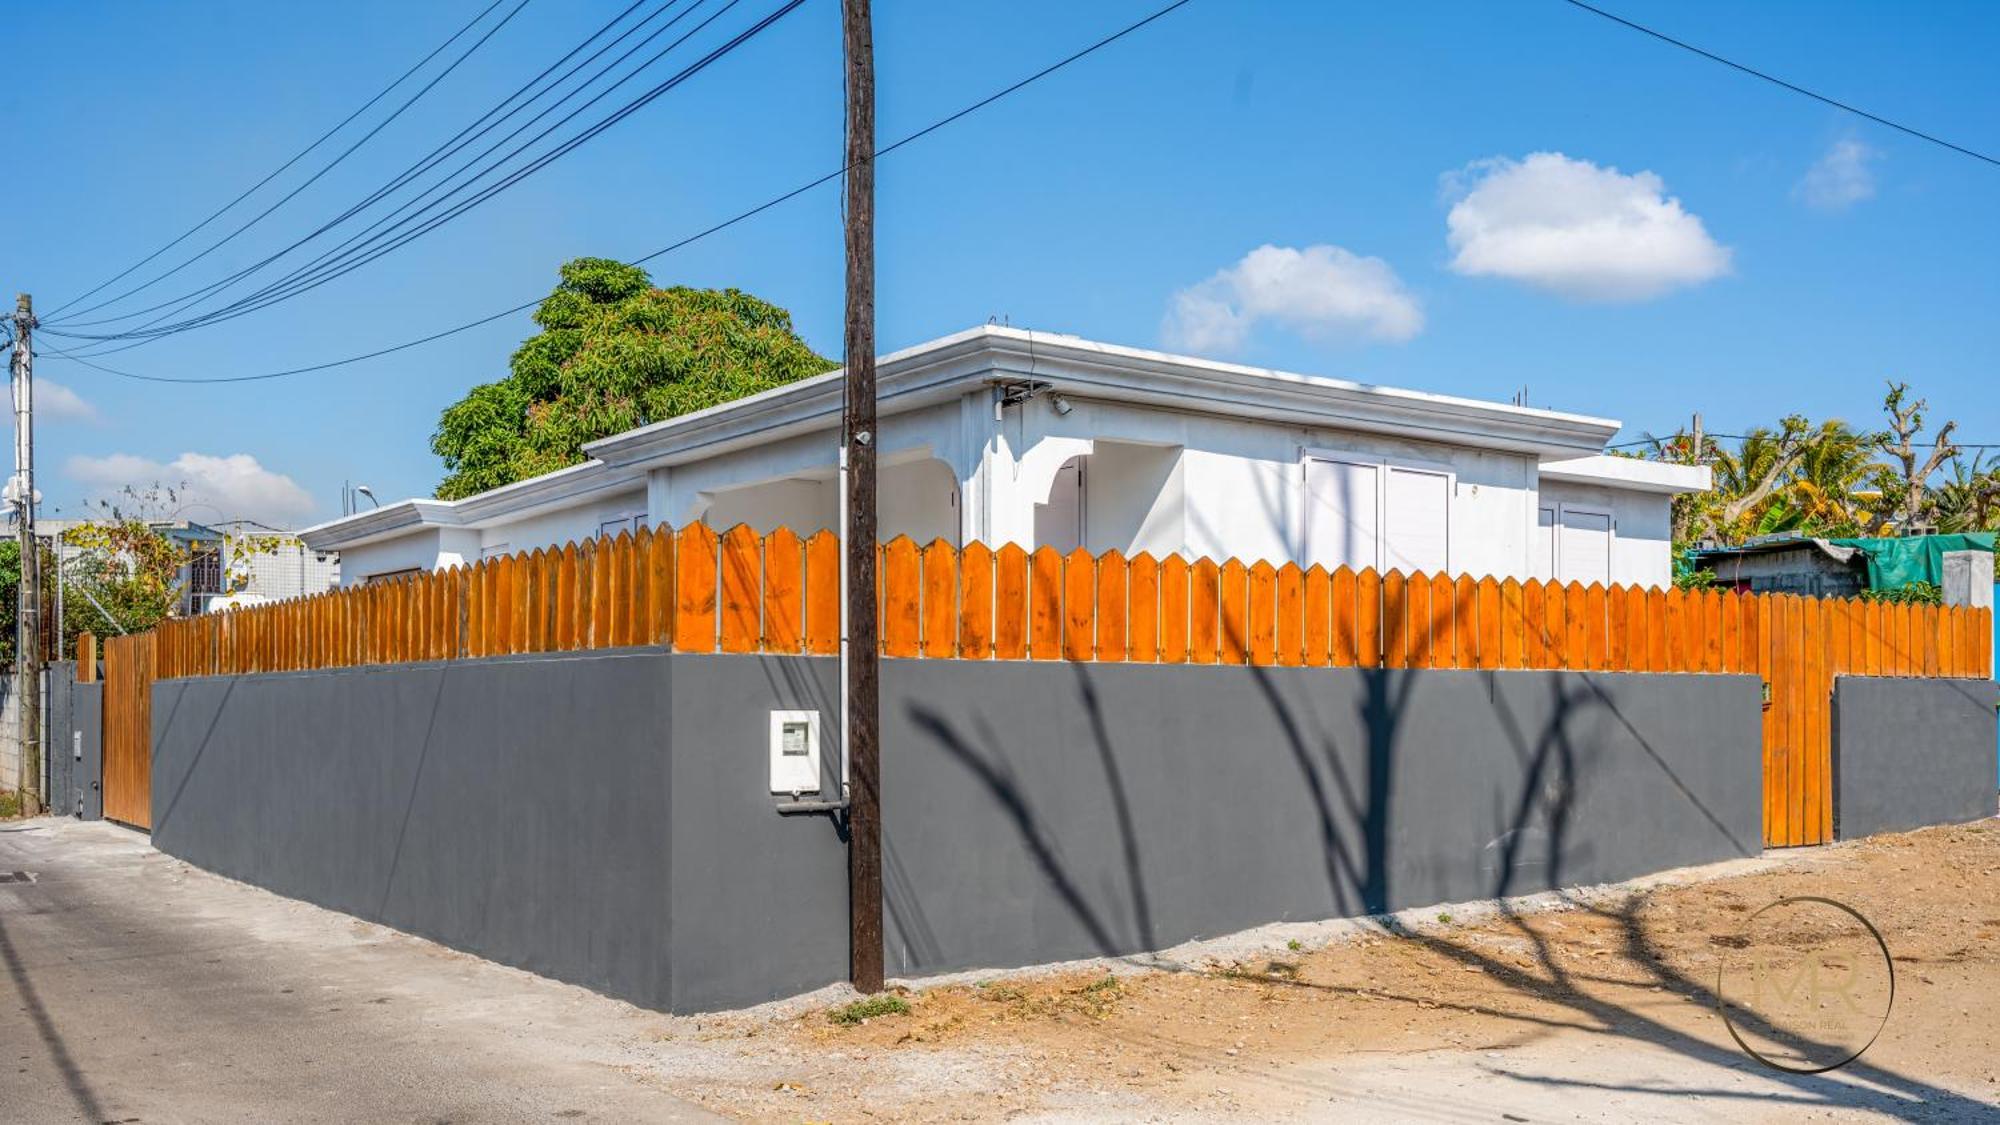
<point x="1130" y="808"/>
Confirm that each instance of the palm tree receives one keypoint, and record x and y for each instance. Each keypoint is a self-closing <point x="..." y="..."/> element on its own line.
<point x="1819" y="498"/>
<point x="1970" y="500"/>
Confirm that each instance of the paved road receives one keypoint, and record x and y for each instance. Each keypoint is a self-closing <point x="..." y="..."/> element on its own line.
<point x="136" y="989"/>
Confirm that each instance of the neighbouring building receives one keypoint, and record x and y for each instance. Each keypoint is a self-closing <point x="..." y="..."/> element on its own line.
<point x="1787" y="564"/>
<point x="1003" y="435"/>
<point x="285" y="568"/>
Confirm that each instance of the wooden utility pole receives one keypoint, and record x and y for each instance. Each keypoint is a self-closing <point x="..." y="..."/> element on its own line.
<point x="862" y="736"/>
<point x="28" y="631"/>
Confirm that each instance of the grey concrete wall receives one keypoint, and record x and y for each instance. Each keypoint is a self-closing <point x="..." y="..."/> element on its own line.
<point x="605" y="819"/>
<point x="1909" y="753"/>
<point x="569" y="815"/>
<point x="1045" y="811"/>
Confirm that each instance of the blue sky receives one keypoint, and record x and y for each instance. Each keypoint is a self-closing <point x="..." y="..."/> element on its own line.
<point x="1702" y="240"/>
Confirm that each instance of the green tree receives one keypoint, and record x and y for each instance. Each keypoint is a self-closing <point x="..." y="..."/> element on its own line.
<point x="123" y="568"/>
<point x="614" y="353"/>
<point x="10" y="584"/>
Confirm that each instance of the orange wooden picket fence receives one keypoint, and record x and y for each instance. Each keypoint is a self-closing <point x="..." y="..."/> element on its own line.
<point x="695" y="590"/>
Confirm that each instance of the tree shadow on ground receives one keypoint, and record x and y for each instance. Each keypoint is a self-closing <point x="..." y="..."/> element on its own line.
<point x="1356" y="837"/>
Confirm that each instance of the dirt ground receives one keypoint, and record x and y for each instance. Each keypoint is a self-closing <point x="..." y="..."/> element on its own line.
<point x="1593" y="1006"/>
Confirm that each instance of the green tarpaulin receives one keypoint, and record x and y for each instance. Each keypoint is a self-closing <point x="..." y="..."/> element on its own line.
<point x="1895" y="563"/>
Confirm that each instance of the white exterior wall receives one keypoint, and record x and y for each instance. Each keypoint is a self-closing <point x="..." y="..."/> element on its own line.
<point x="419" y="550"/>
<point x="1642" y="529"/>
<point x="564" y="525"/>
<point x="1162" y="480"/>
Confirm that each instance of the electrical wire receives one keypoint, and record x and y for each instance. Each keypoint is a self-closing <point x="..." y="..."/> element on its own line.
<point x="486" y="123"/>
<point x="314" y="178"/>
<point x="725" y="224"/>
<point x="300" y="155"/>
<point x="337" y="263"/>
<point x="1776" y="81"/>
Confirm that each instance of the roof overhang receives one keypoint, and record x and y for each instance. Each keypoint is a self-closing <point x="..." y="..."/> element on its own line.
<point x="947" y="368"/>
<point x="509" y="502"/>
<point x="990" y="356"/>
<point x="1630" y="474"/>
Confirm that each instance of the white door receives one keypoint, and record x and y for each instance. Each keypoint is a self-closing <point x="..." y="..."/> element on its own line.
<point x="1059" y="523"/>
<point x="1586" y="546"/>
<point x="1543" y="563"/>
<point x="1417" y="521"/>
<point x="1343" y="502"/>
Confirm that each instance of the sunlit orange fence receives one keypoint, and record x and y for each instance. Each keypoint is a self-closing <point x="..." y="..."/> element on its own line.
<point x="697" y="591"/>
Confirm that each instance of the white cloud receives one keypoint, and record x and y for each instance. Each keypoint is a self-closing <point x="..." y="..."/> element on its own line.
<point x="1841" y="178"/>
<point x="53" y="400"/>
<point x="1572" y="227"/>
<point x="1322" y="292"/>
<point x="209" y="487"/>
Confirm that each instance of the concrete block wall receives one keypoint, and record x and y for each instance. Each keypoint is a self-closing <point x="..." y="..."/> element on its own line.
<point x="604" y="818"/>
<point x="1909" y="753"/>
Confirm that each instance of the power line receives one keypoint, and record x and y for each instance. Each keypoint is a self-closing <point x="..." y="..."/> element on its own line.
<point x="484" y="124"/>
<point x="350" y="256"/>
<point x="1776" y="81"/>
<point x="314" y="178"/>
<point x="1670" y="438"/>
<point x="739" y="217"/>
<point x="302" y="153"/>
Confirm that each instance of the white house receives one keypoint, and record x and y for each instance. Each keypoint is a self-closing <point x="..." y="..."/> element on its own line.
<point x="1006" y="435"/>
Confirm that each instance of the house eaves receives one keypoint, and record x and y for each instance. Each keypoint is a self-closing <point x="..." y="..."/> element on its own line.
<point x="947" y="368"/>
<point x="508" y="502"/>
<point x="990" y="356"/>
<point x="1630" y="473"/>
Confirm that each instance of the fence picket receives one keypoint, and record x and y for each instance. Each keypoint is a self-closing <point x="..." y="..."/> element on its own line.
<point x="1079" y="605"/>
<point x="1204" y="611"/>
<point x="1369" y="645"/>
<point x="1395" y="620"/>
<point x="742" y="580"/>
<point x="784" y="592"/>
<point x="823" y="593"/>
<point x="1291" y="612"/>
<point x="1316" y="637"/>
<point x="1113" y="612"/>
<point x="902" y="595"/>
<point x="695" y="589"/>
<point x="1142" y="631"/>
<point x="1175" y="601"/>
<point x="1261" y="626"/>
<point x="1233" y="642"/>
<point x="1010" y="603"/>
<point x="1418" y="621"/>
<point x="975" y="602"/>
<point x="939" y="638"/>
<point x="1045" y="581"/>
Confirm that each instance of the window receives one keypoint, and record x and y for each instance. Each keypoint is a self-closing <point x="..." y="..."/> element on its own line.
<point x="1361" y="512"/>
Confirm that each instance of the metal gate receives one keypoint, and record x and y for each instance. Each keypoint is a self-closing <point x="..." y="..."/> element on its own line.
<point x="128" y="730"/>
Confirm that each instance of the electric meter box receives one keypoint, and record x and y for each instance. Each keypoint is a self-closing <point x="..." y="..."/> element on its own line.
<point x="795" y="752"/>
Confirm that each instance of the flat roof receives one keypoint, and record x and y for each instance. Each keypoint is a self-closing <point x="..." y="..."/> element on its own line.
<point x="951" y="366"/>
